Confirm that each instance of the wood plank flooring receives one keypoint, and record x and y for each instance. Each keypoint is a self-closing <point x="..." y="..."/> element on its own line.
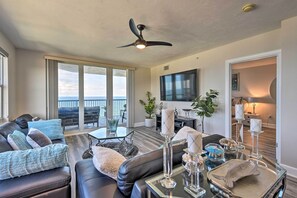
<point x="147" y="139"/>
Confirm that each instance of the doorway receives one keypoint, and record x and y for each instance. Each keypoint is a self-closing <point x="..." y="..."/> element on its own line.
<point x="88" y="95"/>
<point x="260" y="102"/>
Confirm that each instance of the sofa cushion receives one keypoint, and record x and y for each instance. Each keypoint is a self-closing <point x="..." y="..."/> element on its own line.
<point x="17" y="140"/>
<point x="8" y="128"/>
<point x="143" y="166"/>
<point x="37" y="139"/>
<point x="4" y="145"/>
<point x="23" y="120"/>
<point x="107" y="161"/>
<point x="20" y="163"/>
<point x="35" y="184"/>
<point x="91" y="183"/>
<point x="51" y="128"/>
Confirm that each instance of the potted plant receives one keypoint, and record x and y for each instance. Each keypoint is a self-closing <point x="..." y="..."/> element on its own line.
<point x="149" y="108"/>
<point x="205" y="106"/>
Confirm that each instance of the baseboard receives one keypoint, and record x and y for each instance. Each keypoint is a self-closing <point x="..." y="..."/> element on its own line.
<point x="291" y="171"/>
<point x="269" y="125"/>
<point x="138" y="124"/>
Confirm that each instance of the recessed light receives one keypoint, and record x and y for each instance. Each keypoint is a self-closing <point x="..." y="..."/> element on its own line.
<point x="248" y="7"/>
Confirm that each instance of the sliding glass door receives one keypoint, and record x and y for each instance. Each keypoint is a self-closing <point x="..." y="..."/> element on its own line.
<point x="88" y="95"/>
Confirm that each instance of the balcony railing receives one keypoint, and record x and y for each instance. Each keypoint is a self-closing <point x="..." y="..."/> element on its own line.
<point x="118" y="104"/>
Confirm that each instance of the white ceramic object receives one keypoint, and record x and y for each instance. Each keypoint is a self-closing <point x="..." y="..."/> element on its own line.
<point x="239" y="112"/>
<point x="167" y="121"/>
<point x="236" y="170"/>
<point x="148" y="122"/>
<point x="194" y="140"/>
<point x="256" y="125"/>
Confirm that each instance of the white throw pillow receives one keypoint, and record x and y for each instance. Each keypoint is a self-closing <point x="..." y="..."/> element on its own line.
<point x="183" y="133"/>
<point x="107" y="161"/>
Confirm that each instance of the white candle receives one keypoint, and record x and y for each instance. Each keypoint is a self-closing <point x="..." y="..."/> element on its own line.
<point x="239" y="112"/>
<point x="255" y="125"/>
<point x="167" y="121"/>
<point x="194" y="140"/>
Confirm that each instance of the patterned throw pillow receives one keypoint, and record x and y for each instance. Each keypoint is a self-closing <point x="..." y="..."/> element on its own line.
<point x="20" y="163"/>
<point x="17" y="141"/>
<point x="37" y="139"/>
<point x="107" y="161"/>
<point x="51" y="128"/>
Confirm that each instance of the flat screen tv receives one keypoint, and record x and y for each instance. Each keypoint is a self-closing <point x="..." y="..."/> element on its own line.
<point x="181" y="86"/>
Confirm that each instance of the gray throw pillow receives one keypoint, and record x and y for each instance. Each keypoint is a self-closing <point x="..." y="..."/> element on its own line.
<point x="4" y="146"/>
<point x="37" y="139"/>
<point x="17" y="140"/>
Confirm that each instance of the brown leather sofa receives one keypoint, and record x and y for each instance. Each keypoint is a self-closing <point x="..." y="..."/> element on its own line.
<point x="53" y="183"/>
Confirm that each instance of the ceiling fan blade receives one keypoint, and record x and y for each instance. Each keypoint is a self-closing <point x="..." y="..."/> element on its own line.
<point x="153" y="43"/>
<point x="132" y="44"/>
<point x="133" y="28"/>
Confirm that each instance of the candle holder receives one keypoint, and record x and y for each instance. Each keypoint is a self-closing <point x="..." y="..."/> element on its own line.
<point x="167" y="182"/>
<point x="194" y="188"/>
<point x="255" y="144"/>
<point x="239" y="134"/>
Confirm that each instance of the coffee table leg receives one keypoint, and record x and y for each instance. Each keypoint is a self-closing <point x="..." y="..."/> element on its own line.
<point x="88" y="152"/>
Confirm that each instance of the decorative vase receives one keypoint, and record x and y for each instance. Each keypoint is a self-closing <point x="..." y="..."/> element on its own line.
<point x="149" y="122"/>
<point x="112" y="124"/>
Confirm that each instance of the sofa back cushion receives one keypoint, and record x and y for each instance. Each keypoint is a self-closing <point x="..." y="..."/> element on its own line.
<point x="4" y="145"/>
<point x="23" y="120"/>
<point x="143" y="166"/>
<point x="8" y="128"/>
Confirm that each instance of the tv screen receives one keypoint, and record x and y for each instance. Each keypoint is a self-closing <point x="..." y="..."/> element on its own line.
<point x="179" y="86"/>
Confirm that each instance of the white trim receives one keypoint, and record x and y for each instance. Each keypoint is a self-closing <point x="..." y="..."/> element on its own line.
<point x="228" y="70"/>
<point x="291" y="171"/>
<point x="138" y="124"/>
<point x="269" y="125"/>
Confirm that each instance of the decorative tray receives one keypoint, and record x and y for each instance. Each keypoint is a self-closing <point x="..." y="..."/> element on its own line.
<point x="250" y="186"/>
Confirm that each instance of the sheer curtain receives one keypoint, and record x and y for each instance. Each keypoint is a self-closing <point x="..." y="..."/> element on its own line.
<point x="51" y="88"/>
<point x="130" y="98"/>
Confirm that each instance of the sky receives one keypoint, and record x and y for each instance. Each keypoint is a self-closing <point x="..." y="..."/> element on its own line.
<point x="94" y="84"/>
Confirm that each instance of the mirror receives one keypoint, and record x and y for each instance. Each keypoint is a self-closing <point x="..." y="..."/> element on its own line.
<point x="272" y="89"/>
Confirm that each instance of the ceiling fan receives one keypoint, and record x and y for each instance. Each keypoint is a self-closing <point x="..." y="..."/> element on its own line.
<point x="140" y="43"/>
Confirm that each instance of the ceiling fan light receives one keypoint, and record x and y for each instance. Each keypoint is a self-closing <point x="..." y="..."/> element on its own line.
<point x="140" y="46"/>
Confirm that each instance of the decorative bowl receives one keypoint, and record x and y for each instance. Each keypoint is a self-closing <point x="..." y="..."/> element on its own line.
<point x="228" y="144"/>
<point x="215" y="152"/>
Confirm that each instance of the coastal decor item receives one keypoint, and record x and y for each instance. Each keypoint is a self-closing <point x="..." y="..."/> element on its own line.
<point x="205" y="106"/>
<point x="187" y="112"/>
<point x="215" y="152"/>
<point x="228" y="144"/>
<point x="167" y="132"/>
<point x="239" y="116"/>
<point x="149" y="108"/>
<point x="255" y="130"/>
<point x="236" y="170"/>
<point x="112" y="124"/>
<point x="160" y="107"/>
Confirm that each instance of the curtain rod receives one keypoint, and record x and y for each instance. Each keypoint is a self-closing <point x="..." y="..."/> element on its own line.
<point x="86" y="62"/>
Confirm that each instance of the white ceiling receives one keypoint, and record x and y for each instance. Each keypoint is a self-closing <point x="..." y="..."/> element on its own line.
<point x="93" y="28"/>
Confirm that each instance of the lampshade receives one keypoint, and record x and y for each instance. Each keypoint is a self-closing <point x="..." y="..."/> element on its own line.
<point x="255" y="100"/>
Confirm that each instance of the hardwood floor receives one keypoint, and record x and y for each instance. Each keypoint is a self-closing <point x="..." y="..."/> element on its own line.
<point x="147" y="139"/>
<point x="267" y="141"/>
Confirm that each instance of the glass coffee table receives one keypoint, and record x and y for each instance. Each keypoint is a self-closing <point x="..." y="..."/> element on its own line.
<point x="274" y="188"/>
<point x="123" y="135"/>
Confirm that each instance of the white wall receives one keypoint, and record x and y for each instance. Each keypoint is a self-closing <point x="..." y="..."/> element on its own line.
<point x="10" y="83"/>
<point x="31" y="87"/>
<point x="255" y="82"/>
<point x="212" y="69"/>
<point x="289" y="94"/>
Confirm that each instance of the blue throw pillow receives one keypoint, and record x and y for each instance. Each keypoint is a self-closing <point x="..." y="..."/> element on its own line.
<point x="25" y="162"/>
<point x="17" y="141"/>
<point x="51" y="128"/>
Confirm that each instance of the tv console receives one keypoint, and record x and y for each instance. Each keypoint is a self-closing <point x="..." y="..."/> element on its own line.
<point x="179" y="122"/>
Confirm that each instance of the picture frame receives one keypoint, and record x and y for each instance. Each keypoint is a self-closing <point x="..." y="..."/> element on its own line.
<point x="235" y="82"/>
